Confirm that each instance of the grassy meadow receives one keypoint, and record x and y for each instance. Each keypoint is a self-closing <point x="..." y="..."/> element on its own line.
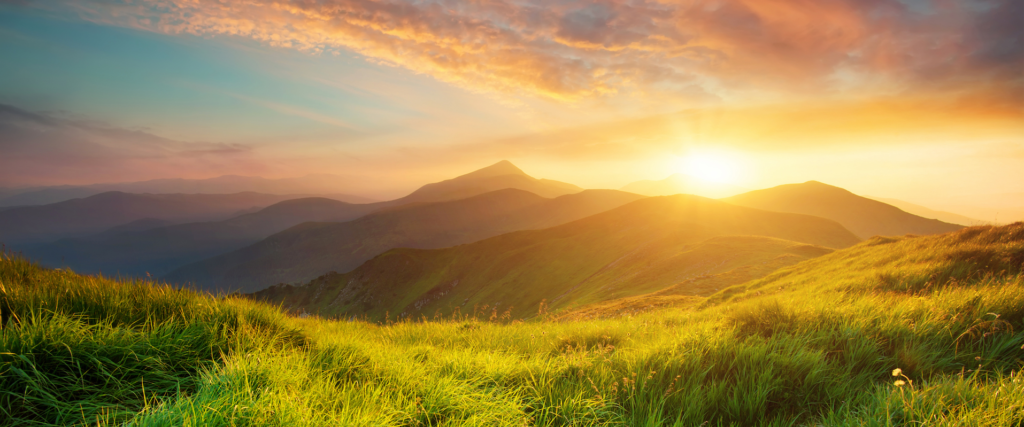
<point x="894" y="331"/>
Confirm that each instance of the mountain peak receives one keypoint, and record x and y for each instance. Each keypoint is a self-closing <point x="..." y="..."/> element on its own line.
<point x="503" y="167"/>
<point x="822" y="187"/>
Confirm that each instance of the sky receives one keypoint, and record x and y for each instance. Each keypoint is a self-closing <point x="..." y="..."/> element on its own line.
<point x="911" y="99"/>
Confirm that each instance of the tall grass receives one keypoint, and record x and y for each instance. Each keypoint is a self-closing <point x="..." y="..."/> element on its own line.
<point x="816" y="344"/>
<point x="76" y="349"/>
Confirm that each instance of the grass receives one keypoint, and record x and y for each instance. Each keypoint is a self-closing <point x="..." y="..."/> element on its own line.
<point x="812" y="344"/>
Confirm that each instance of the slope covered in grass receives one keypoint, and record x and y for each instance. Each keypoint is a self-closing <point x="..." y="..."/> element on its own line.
<point x="795" y="348"/>
<point x="638" y="248"/>
<point x="863" y="216"/>
<point x="87" y="350"/>
<point x="309" y="250"/>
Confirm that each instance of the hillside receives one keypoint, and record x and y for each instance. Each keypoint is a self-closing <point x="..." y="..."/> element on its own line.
<point x="683" y="184"/>
<point x="893" y="331"/>
<point x="81" y="217"/>
<point x="861" y="215"/>
<point x="309" y="250"/>
<point x="638" y="248"/>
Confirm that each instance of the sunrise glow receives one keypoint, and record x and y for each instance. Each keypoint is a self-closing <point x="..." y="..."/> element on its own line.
<point x="709" y="167"/>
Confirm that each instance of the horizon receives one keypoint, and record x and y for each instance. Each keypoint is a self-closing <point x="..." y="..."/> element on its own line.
<point x="683" y="182"/>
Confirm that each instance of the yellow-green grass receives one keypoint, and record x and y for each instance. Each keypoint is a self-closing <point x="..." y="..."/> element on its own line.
<point x="812" y="344"/>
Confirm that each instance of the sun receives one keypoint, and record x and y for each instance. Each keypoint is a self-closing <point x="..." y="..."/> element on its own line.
<point x="709" y="167"/>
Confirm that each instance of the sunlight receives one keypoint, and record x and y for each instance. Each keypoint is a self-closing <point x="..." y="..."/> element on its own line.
<point x="709" y="167"/>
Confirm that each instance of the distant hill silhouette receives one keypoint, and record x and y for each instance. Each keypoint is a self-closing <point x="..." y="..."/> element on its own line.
<point x="137" y="225"/>
<point x="683" y="184"/>
<point x="641" y="247"/>
<point x="495" y="177"/>
<point x="924" y="212"/>
<point x="81" y="217"/>
<point x="861" y="215"/>
<point x="309" y="250"/>
<point x="160" y="250"/>
<point x="331" y="186"/>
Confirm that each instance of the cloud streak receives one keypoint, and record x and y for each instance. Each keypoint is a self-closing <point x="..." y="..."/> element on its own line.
<point x="580" y="49"/>
<point x="49" y="149"/>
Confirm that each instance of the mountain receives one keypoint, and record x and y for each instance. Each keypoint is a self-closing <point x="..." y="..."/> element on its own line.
<point x="158" y="251"/>
<point x="309" y="250"/>
<point x="80" y="217"/>
<point x="861" y="215"/>
<point x="924" y="212"/>
<point x="495" y="177"/>
<point x="683" y="184"/>
<point x="638" y="248"/>
<point x="137" y="225"/>
<point x="331" y="186"/>
<point x="992" y="207"/>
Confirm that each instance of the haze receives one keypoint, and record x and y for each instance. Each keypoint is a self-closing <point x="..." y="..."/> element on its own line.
<point x="914" y="100"/>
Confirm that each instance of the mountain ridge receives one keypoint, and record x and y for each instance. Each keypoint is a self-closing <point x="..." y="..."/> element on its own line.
<point x="863" y="216"/>
<point x="639" y="247"/>
<point x="160" y="250"/>
<point x="100" y="212"/>
<point x="308" y="250"/>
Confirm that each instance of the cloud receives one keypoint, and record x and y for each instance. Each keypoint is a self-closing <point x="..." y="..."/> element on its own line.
<point x="579" y="49"/>
<point x="40" y="148"/>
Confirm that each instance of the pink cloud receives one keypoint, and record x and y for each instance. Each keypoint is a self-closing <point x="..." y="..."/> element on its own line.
<point x="580" y="49"/>
<point x="49" y="149"/>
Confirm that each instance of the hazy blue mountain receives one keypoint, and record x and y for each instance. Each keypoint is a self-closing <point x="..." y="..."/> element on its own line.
<point x="312" y="249"/>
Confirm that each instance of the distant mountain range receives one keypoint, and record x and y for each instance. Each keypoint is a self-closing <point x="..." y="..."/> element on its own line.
<point x="495" y="237"/>
<point x="924" y="212"/>
<point x="637" y="248"/>
<point x="861" y="215"/>
<point x="323" y="185"/>
<point x="309" y="250"/>
<point x="80" y="217"/>
<point x="683" y="184"/>
<point x="159" y="250"/>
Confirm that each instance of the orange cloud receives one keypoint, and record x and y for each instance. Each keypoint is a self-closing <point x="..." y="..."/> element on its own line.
<point x="581" y="49"/>
<point x="927" y="121"/>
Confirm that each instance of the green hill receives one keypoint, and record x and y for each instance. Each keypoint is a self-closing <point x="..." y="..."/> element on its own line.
<point x="863" y="216"/>
<point x="638" y="248"/>
<point x="893" y="331"/>
<point x="309" y="250"/>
